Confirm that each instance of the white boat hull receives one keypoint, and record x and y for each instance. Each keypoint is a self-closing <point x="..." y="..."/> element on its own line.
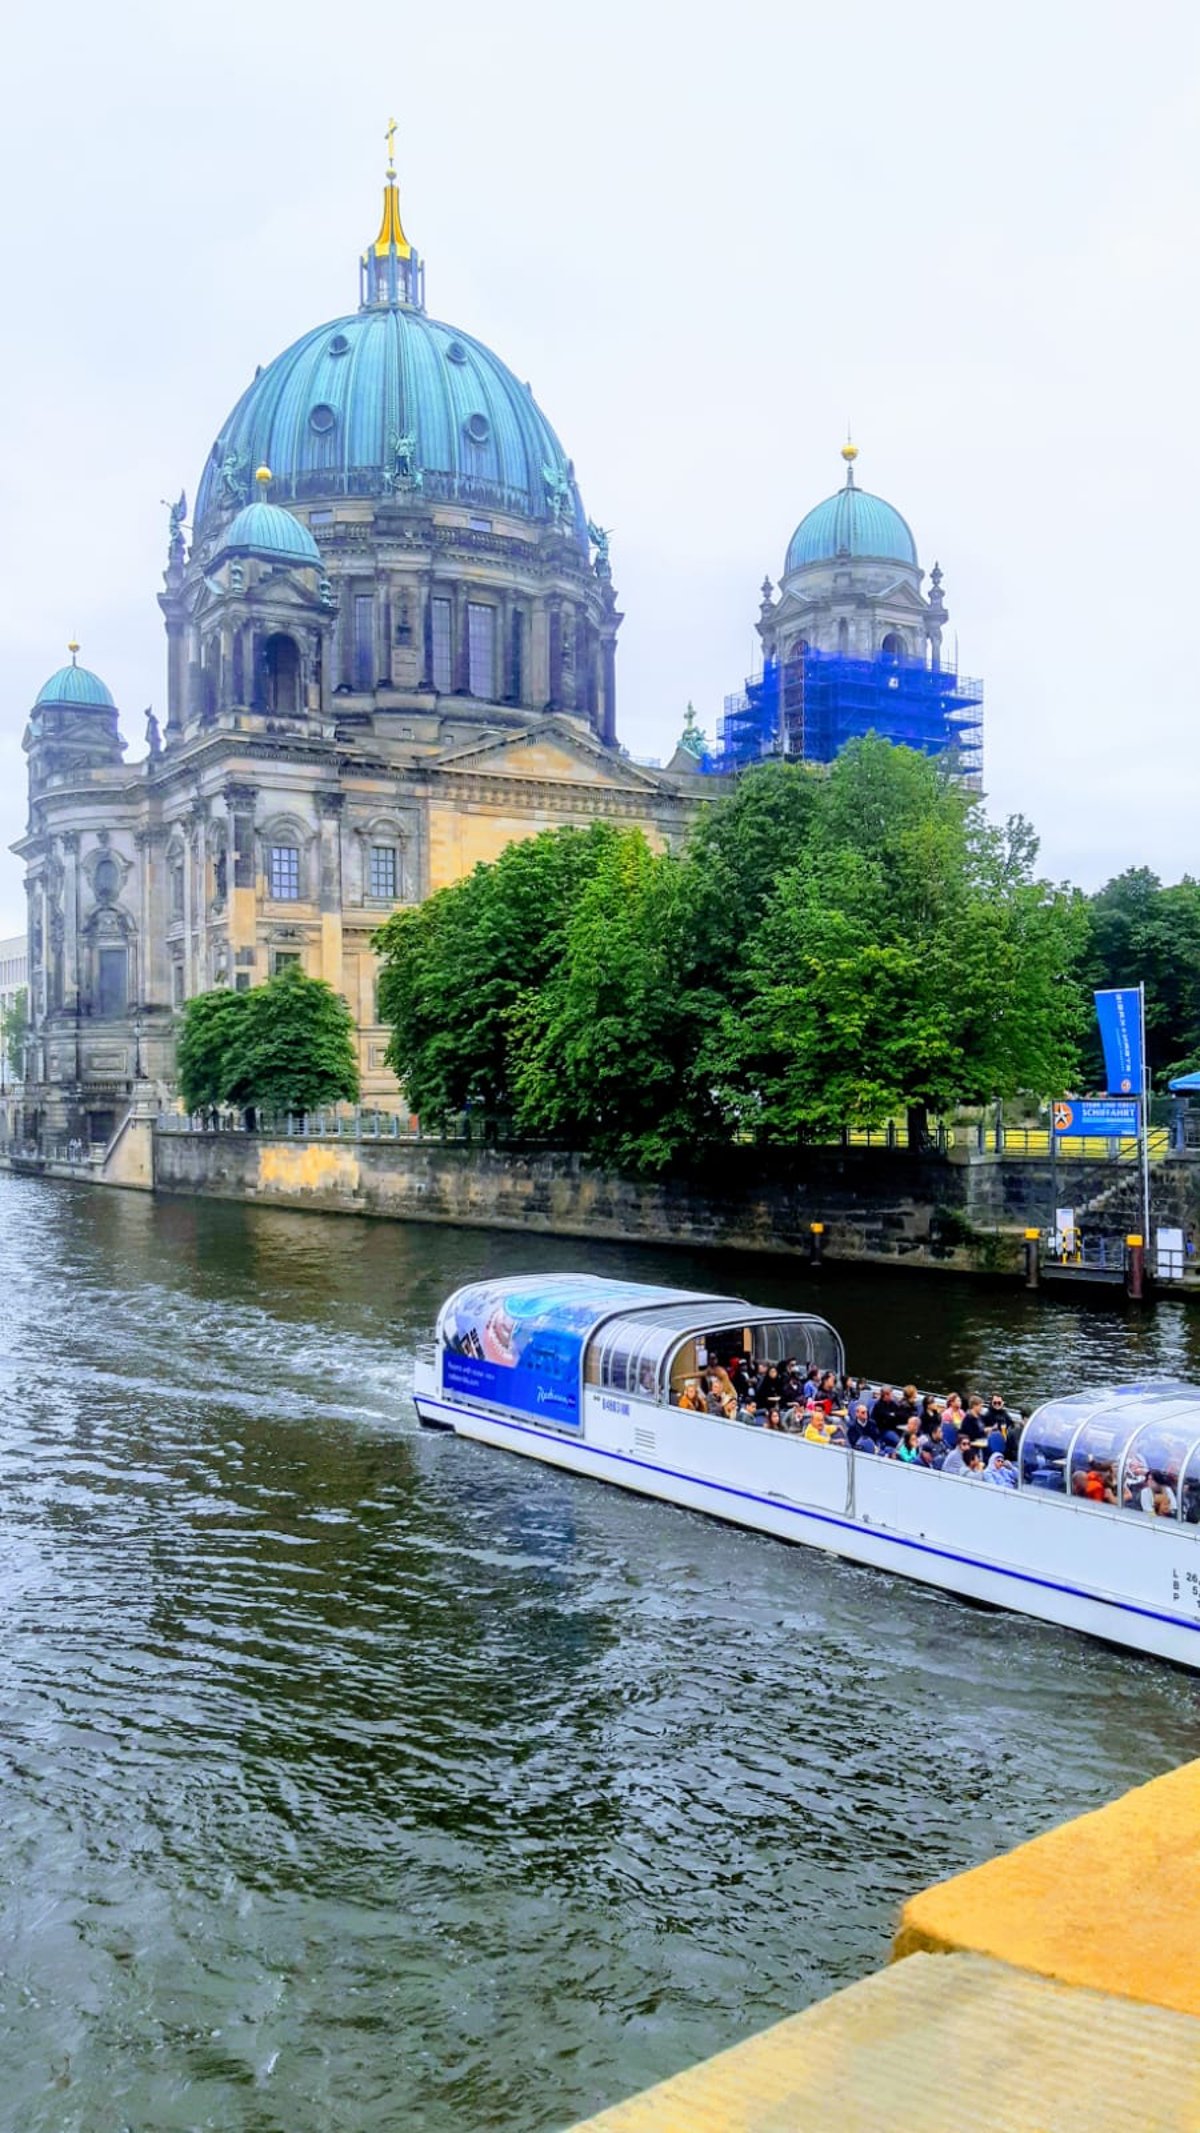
<point x="1126" y="1578"/>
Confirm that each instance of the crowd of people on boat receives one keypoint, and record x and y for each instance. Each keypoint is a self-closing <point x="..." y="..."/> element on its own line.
<point x="976" y="1440"/>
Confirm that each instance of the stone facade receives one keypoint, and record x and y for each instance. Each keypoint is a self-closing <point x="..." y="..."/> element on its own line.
<point x="395" y="661"/>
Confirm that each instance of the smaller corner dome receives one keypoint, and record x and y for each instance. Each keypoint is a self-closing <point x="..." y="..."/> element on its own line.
<point x="269" y="531"/>
<point x="854" y="523"/>
<point x="76" y="685"/>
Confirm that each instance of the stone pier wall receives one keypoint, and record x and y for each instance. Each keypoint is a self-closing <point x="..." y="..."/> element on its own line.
<point x="876" y="1205"/>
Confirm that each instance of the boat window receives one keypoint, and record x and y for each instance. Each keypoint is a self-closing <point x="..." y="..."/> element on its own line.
<point x="1046" y="1437"/>
<point x="1154" y="1461"/>
<point x="1096" y="1458"/>
<point x="1189" y="1489"/>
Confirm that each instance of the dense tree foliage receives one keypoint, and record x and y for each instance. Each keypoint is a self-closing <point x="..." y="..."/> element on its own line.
<point x="284" y="1046"/>
<point x="1142" y="933"/>
<point x="908" y="959"/>
<point x="456" y="967"/>
<point x="14" y="1029"/>
<point x="829" y="947"/>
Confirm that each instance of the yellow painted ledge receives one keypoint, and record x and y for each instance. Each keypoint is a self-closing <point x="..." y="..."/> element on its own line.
<point x="939" y="2045"/>
<point x="1110" y="1901"/>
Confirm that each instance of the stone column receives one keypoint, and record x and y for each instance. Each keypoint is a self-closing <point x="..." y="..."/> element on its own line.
<point x="608" y="706"/>
<point x="329" y="808"/>
<point x="537" y="687"/>
<point x="70" y="846"/>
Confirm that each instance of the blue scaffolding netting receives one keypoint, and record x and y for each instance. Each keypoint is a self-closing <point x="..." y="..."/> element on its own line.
<point x="814" y="704"/>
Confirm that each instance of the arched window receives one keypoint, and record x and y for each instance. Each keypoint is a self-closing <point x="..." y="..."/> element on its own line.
<point x="894" y="646"/>
<point x="843" y="636"/>
<point x="281" y="660"/>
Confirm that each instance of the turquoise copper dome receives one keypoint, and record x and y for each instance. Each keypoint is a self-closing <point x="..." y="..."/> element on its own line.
<point x="389" y="399"/>
<point x="852" y="523"/>
<point x="76" y="685"/>
<point x="263" y="529"/>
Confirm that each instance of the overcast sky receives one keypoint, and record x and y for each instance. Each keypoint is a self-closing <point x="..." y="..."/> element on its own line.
<point x="709" y="237"/>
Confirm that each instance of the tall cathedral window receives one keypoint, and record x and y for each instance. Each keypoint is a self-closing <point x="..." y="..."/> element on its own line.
<point x="112" y="993"/>
<point x="177" y="888"/>
<point x="285" y="873"/>
<point x="481" y="648"/>
<point x="282" y="659"/>
<point x="516" y="676"/>
<point x="364" y="641"/>
<point x="381" y="872"/>
<point x="443" y="680"/>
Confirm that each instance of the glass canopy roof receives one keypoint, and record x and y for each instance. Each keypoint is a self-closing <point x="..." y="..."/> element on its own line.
<point x="1135" y="1448"/>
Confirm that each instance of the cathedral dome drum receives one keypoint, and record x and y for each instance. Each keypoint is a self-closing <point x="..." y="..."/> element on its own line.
<point x="76" y="686"/>
<point x="851" y="523"/>
<point x="388" y="399"/>
<point x="264" y="530"/>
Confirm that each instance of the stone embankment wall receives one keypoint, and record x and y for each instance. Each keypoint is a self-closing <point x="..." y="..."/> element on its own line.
<point x="875" y="1205"/>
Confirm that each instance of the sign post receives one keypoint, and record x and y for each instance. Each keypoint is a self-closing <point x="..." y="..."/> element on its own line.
<point x="1121" y="1013"/>
<point x="1146" y="1232"/>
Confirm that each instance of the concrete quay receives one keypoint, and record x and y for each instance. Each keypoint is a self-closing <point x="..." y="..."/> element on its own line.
<point x="1055" y="1989"/>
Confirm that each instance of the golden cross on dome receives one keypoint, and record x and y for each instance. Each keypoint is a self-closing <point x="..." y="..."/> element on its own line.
<point x="391" y="141"/>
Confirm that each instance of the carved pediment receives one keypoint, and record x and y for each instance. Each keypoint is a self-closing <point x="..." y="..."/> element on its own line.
<point x="553" y="749"/>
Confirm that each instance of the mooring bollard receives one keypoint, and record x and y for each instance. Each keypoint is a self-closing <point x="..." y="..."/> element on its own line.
<point x="816" y="1242"/>
<point x="1033" y="1269"/>
<point x="1135" y="1266"/>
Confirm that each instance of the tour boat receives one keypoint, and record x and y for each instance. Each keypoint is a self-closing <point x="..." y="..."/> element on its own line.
<point x="586" y="1374"/>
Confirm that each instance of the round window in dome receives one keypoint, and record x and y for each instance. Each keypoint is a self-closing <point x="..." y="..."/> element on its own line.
<point x="322" y="418"/>
<point x="478" y="428"/>
<point x="339" y="345"/>
<point x="456" y="353"/>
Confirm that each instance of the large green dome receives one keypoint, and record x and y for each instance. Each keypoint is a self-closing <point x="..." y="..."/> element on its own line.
<point x="389" y="398"/>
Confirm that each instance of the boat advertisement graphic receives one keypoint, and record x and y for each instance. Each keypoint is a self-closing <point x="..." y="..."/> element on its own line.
<point x="521" y="1347"/>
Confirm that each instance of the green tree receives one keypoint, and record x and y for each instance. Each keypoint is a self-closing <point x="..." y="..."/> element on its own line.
<point x="908" y="960"/>
<point x="14" y="1029"/>
<point x="206" y="1029"/>
<point x="455" y="968"/>
<point x="1141" y="932"/>
<point x="292" y="1047"/>
<point x="606" y="1052"/>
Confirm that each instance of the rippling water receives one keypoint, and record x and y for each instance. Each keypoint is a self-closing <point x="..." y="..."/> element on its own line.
<point x="357" y="1779"/>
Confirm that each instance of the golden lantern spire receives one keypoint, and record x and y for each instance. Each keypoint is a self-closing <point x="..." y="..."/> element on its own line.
<point x="390" y="271"/>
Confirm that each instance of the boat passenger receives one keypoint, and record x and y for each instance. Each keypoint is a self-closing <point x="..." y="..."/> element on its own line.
<point x="907" y="1449"/>
<point x="909" y="1404"/>
<point x="999" y="1472"/>
<point x="889" y="1444"/>
<point x="1093" y="1487"/>
<point x="856" y="1423"/>
<point x="739" y="1377"/>
<point x="774" y="1414"/>
<point x="972" y="1464"/>
<point x="751" y="1414"/>
<point x="955" y="1461"/>
<point x="932" y="1416"/>
<point x="885" y="1414"/>
<point x="817" y="1429"/>
<point x="947" y="1435"/>
<point x="691" y="1398"/>
<point x="1165" y="1502"/>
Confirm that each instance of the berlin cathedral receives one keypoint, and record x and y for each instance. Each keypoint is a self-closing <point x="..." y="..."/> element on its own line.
<point x="391" y="650"/>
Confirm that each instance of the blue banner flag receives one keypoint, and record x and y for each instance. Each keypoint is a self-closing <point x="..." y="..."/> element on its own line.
<point x="1113" y="1116"/>
<point x="1119" y="1014"/>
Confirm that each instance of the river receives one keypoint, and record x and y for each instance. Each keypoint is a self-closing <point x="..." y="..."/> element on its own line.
<point x="353" y="1778"/>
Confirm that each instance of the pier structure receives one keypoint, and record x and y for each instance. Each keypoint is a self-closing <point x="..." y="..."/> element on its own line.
<point x="1054" y="1989"/>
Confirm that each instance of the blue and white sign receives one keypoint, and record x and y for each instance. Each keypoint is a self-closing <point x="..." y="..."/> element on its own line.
<point x="1108" y="1115"/>
<point x="1119" y="1013"/>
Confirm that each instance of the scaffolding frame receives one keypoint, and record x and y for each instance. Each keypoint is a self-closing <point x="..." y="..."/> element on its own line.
<point x="812" y="705"/>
